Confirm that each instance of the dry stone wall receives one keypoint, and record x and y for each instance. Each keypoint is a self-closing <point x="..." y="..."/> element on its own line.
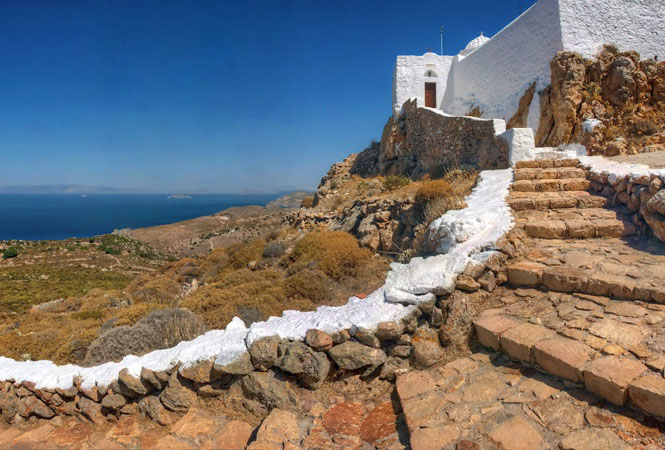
<point x="423" y="140"/>
<point x="644" y="195"/>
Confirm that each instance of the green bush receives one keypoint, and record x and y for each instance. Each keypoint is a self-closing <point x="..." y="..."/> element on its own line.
<point x="109" y="250"/>
<point x="392" y="182"/>
<point x="9" y="252"/>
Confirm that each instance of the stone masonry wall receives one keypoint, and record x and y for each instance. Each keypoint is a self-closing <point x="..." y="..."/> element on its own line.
<point x="423" y="140"/>
<point x="643" y="195"/>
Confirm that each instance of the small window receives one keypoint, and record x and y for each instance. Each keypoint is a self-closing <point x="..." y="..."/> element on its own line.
<point x="430" y="74"/>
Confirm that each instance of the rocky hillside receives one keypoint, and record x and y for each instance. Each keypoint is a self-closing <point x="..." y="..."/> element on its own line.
<point x="387" y="214"/>
<point x="613" y="105"/>
<point x="196" y="237"/>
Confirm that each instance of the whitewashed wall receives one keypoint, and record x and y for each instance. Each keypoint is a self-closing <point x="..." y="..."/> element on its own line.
<point x="409" y="77"/>
<point x="495" y="76"/>
<point x="630" y="24"/>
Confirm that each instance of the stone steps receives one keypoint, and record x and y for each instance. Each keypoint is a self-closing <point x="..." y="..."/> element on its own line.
<point x="551" y="185"/>
<point x="571" y="223"/>
<point x="521" y="201"/>
<point x="549" y="173"/>
<point x="547" y="163"/>
<point x="583" y="280"/>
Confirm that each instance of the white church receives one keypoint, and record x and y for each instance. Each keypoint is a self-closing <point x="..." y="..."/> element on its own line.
<point x="493" y="73"/>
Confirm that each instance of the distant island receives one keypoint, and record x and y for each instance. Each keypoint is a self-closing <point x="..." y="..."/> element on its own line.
<point x="179" y="196"/>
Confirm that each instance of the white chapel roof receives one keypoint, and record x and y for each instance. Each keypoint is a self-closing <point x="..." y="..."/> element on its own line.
<point x="474" y="44"/>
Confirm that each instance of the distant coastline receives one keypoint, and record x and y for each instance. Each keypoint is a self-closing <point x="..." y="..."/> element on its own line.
<point x="56" y="216"/>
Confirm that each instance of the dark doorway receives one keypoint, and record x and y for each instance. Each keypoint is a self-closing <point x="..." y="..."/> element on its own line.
<point x="430" y="95"/>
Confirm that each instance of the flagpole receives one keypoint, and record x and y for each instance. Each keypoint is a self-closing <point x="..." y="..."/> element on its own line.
<point x="441" y="33"/>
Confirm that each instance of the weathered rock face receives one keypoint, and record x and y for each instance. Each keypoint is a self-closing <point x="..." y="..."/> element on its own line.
<point x="519" y="119"/>
<point x="421" y="141"/>
<point x="560" y="101"/>
<point x="613" y="105"/>
<point x="385" y="225"/>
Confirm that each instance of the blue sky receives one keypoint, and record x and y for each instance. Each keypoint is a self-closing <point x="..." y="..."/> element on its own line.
<point x="221" y="96"/>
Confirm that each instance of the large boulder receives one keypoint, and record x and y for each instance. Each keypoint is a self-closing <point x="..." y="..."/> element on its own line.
<point x="264" y="352"/>
<point x="353" y="355"/>
<point x="267" y="389"/>
<point x="310" y="366"/>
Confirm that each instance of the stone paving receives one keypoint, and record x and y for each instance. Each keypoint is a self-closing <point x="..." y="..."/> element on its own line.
<point x="487" y="402"/>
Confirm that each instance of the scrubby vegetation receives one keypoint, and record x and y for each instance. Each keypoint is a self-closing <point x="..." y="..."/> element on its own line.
<point x="9" y="252"/>
<point x="432" y="190"/>
<point x="124" y="313"/>
<point x="392" y="182"/>
<point x="307" y="202"/>
<point x="319" y="268"/>
<point x="159" y="329"/>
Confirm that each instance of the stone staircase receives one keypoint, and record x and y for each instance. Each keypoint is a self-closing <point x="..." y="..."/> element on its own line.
<point x="585" y="300"/>
<point x="551" y="201"/>
<point x="578" y="245"/>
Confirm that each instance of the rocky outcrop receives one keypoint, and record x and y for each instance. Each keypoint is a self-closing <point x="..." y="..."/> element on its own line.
<point x="382" y="225"/>
<point x="613" y="105"/>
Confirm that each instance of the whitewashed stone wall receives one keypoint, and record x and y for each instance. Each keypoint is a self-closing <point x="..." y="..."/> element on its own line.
<point x="629" y="24"/>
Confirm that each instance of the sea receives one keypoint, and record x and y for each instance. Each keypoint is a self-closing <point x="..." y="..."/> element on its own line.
<point x="62" y="216"/>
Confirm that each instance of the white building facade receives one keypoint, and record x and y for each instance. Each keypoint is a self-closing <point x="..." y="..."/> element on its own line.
<point x="493" y="74"/>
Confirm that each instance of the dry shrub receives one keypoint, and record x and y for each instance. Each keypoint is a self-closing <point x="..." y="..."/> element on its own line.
<point x="158" y="330"/>
<point x="461" y="180"/>
<point x="213" y="264"/>
<point x="218" y="304"/>
<point x="97" y="300"/>
<point x="309" y="284"/>
<point x="246" y="276"/>
<point x="188" y="271"/>
<point x="56" y="337"/>
<point x="432" y="190"/>
<point x="134" y="313"/>
<point x="307" y="202"/>
<point x="242" y="254"/>
<point x="275" y="249"/>
<point x="336" y="253"/>
<point x="160" y="291"/>
<point x="439" y="206"/>
<point x="256" y="295"/>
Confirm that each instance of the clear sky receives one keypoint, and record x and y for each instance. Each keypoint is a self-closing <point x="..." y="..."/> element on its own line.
<point x="221" y="96"/>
